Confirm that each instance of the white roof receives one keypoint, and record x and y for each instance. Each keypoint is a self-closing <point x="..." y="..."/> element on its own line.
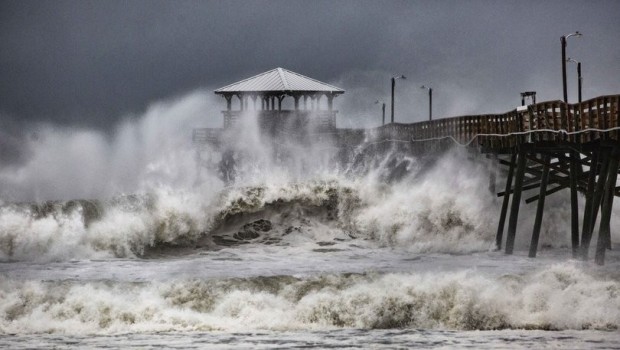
<point x="279" y="80"/>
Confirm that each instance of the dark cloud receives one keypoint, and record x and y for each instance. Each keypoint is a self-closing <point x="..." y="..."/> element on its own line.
<point x="91" y="62"/>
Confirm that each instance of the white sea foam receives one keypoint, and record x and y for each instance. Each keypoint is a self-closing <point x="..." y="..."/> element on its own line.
<point x="559" y="297"/>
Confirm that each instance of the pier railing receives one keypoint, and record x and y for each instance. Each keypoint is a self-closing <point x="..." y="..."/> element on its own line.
<point x="584" y="122"/>
<point x="591" y="120"/>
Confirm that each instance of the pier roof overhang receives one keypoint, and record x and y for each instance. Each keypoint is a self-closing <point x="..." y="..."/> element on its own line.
<point x="279" y="81"/>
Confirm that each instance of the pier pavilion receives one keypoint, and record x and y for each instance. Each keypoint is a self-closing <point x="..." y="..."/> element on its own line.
<point x="312" y="100"/>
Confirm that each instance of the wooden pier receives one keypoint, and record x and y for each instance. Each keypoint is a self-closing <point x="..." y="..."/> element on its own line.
<point x="550" y="146"/>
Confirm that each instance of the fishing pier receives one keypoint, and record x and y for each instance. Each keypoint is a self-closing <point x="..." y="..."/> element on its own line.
<point x="547" y="147"/>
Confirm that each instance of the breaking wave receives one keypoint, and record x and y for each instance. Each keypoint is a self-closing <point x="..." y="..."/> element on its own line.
<point x="416" y="212"/>
<point x="558" y="297"/>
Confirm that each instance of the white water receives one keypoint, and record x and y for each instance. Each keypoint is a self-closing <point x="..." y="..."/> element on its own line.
<point x="151" y="251"/>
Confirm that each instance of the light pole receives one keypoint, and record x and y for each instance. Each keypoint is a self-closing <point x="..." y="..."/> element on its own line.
<point x="563" y="41"/>
<point x="394" y="84"/>
<point x="430" y="100"/>
<point x="382" y="109"/>
<point x="579" y="78"/>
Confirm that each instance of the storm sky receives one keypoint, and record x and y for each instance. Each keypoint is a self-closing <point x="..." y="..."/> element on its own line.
<point x="91" y="63"/>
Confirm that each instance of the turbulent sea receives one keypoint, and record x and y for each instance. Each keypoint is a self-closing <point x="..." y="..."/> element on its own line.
<point x="310" y="259"/>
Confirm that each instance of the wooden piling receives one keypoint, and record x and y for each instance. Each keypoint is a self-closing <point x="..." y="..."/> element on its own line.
<point x="516" y="198"/>
<point x="540" y="207"/>
<point x="574" y="204"/>
<point x="502" y="216"/>
<point x="588" y="224"/>
<point x="596" y="200"/>
<point x="604" y="232"/>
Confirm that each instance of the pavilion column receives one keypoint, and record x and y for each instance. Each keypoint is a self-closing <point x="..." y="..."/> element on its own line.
<point x="296" y="97"/>
<point x="330" y="102"/>
<point x="280" y="98"/>
<point x="228" y="102"/>
<point x="273" y="103"/>
<point x="240" y="101"/>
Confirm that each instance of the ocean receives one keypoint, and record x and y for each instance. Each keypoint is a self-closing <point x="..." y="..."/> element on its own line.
<point x="301" y="254"/>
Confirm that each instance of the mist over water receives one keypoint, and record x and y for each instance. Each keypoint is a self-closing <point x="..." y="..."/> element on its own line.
<point x="140" y="154"/>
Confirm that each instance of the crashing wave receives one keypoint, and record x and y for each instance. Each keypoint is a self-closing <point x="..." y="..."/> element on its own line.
<point x="415" y="212"/>
<point x="555" y="298"/>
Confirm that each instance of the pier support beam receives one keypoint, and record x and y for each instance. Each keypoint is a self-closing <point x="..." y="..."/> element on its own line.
<point x="540" y="208"/>
<point x="604" y="233"/>
<point x="502" y="216"/>
<point x="574" y="204"/>
<point x="516" y="198"/>
<point x="588" y="210"/>
<point x="603" y="159"/>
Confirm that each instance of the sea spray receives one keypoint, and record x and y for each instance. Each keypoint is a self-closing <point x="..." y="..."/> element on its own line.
<point x="416" y="213"/>
<point x="140" y="154"/>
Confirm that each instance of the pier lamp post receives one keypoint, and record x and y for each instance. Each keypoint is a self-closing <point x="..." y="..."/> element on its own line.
<point x="382" y="110"/>
<point x="563" y="41"/>
<point x="393" y="85"/>
<point x="579" y="78"/>
<point x="430" y="101"/>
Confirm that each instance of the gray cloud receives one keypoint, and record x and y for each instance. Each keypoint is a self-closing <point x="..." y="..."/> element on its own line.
<point x="91" y="63"/>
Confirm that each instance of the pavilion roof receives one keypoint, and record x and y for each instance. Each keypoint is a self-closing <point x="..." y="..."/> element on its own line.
<point x="279" y="80"/>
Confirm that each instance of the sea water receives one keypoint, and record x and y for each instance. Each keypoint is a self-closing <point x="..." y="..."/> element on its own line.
<point x="300" y="254"/>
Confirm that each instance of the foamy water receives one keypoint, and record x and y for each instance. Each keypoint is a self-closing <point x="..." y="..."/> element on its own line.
<point x="295" y="254"/>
